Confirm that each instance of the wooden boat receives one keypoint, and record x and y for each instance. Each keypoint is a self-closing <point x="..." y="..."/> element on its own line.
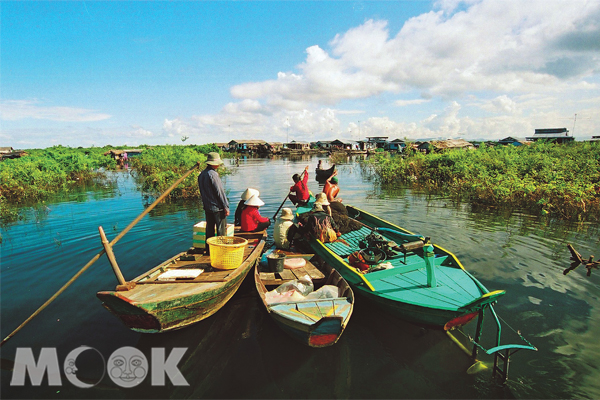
<point x="152" y="305"/>
<point x="324" y="173"/>
<point x="316" y="323"/>
<point x="424" y="284"/>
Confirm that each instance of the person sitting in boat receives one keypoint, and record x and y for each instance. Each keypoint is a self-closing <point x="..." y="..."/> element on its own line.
<point x="331" y="188"/>
<point x="251" y="220"/>
<point x="238" y="211"/>
<point x="322" y="200"/>
<point x="281" y="229"/>
<point x="299" y="193"/>
<point x="321" y="225"/>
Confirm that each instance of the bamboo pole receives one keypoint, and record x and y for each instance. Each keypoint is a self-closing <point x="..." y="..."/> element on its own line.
<point x="97" y="256"/>
<point x="111" y="257"/>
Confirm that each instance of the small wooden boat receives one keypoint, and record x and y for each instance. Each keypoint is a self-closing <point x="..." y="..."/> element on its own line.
<point x="173" y="295"/>
<point x="323" y="174"/>
<point x="421" y="283"/>
<point x="316" y="323"/>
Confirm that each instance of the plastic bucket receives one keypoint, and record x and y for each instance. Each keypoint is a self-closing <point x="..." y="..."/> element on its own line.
<point x="275" y="262"/>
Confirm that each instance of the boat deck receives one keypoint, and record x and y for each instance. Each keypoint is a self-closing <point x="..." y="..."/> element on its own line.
<point x="407" y="280"/>
<point x="277" y="278"/>
<point x="194" y="259"/>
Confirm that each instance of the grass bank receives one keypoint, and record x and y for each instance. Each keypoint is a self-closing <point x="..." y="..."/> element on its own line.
<point x="558" y="180"/>
<point x="44" y="173"/>
<point x="159" y="167"/>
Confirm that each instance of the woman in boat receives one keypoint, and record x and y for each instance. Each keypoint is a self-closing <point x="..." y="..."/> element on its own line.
<point x="281" y="229"/>
<point x="245" y="196"/>
<point x="299" y="193"/>
<point x="252" y="221"/>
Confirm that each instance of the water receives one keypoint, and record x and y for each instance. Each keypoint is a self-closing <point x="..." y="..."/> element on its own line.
<point x="240" y="353"/>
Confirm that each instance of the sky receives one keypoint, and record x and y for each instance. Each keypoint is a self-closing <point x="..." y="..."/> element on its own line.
<point x="96" y="73"/>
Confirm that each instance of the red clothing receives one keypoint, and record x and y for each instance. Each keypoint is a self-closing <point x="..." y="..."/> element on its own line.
<point x="251" y="218"/>
<point x="299" y="192"/>
<point x="331" y="191"/>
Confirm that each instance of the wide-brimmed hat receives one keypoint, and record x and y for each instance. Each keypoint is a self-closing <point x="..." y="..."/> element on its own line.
<point x="249" y="193"/>
<point x="318" y="207"/>
<point x="214" y="159"/>
<point x="254" y="201"/>
<point x="286" y="213"/>
<point x="322" y="199"/>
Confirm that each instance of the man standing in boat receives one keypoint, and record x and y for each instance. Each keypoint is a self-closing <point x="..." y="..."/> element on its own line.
<point x="299" y="193"/>
<point x="214" y="200"/>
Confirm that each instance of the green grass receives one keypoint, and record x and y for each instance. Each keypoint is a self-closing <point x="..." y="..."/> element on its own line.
<point x="557" y="180"/>
<point x="158" y="168"/>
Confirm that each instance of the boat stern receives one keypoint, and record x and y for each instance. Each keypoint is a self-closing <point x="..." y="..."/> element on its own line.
<point x="134" y="317"/>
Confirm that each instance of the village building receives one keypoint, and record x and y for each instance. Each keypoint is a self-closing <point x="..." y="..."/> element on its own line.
<point x="442" y="145"/>
<point x="515" y="141"/>
<point x="554" y="135"/>
<point x="246" y="146"/>
<point x="395" y="145"/>
<point x="298" y="146"/>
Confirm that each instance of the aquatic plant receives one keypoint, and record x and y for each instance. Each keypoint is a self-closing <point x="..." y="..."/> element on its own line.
<point x="160" y="166"/>
<point x="556" y="180"/>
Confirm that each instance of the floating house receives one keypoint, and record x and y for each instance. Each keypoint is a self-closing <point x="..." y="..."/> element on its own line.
<point x="395" y="145"/>
<point x="377" y="142"/>
<point x="8" y="153"/>
<point x="555" y="135"/>
<point x="246" y="146"/>
<point x="442" y="145"/>
<point x="515" y="141"/>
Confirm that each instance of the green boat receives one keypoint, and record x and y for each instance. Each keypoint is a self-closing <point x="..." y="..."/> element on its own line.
<point x="415" y="280"/>
<point x="180" y="291"/>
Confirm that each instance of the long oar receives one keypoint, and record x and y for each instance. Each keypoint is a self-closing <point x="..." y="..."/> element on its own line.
<point x="286" y="197"/>
<point x="97" y="256"/>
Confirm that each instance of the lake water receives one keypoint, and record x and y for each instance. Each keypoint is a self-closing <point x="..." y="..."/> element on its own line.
<point x="240" y="353"/>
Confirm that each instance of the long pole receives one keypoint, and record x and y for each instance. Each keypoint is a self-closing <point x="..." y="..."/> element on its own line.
<point x="97" y="256"/>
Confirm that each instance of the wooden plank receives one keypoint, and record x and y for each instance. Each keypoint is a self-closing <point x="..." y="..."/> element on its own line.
<point x="287" y="275"/>
<point x="313" y="271"/>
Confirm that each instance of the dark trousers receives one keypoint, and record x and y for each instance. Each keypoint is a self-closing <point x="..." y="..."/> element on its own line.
<point x="218" y="220"/>
<point x="262" y="226"/>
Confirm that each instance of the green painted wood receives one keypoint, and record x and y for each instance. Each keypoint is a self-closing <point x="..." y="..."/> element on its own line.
<point x="150" y="307"/>
<point x="403" y="289"/>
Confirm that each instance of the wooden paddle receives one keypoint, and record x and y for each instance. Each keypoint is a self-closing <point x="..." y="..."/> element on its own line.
<point x="97" y="256"/>
<point x="286" y="197"/>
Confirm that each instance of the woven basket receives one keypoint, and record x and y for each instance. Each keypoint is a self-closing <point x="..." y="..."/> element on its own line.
<point x="226" y="252"/>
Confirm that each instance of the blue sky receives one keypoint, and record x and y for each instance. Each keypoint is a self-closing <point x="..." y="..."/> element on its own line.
<point x="94" y="73"/>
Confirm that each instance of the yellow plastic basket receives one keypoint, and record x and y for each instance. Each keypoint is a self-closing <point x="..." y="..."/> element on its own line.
<point x="226" y="252"/>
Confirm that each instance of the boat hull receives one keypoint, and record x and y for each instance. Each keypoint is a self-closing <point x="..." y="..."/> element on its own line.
<point x="164" y="306"/>
<point x="405" y="294"/>
<point x="318" y="323"/>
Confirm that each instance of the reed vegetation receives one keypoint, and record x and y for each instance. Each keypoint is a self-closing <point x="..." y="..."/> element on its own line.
<point x="157" y="168"/>
<point x="46" y="172"/>
<point x="562" y="181"/>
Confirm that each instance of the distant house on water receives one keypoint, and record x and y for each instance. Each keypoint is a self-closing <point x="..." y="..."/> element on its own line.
<point x="442" y="145"/>
<point x="515" y="141"/>
<point x="555" y="135"/>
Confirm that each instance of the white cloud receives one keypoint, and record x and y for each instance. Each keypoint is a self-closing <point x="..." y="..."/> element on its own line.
<point x="403" y="103"/>
<point x="13" y="110"/>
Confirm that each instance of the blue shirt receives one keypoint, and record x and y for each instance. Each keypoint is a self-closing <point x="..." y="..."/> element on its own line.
<point x="212" y="191"/>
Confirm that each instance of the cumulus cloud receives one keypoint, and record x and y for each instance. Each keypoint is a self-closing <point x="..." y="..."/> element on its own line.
<point x="13" y="110"/>
<point x="462" y="47"/>
<point x="518" y="64"/>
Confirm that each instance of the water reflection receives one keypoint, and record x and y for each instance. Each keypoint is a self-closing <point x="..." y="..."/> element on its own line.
<point x="377" y="357"/>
